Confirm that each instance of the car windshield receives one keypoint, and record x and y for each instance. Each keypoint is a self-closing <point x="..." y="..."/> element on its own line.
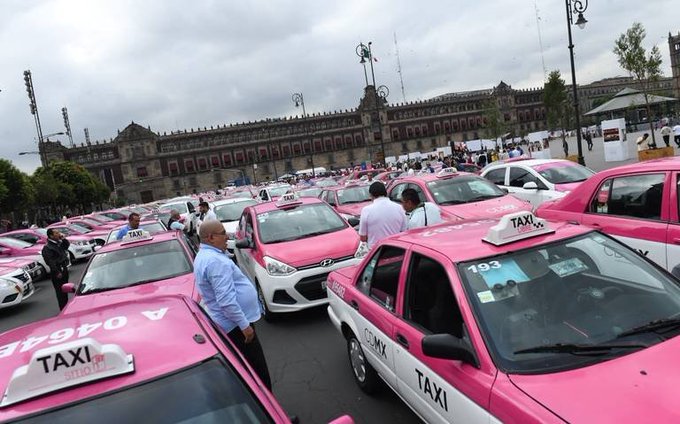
<point x="563" y="173"/>
<point x="17" y="244"/>
<point x="279" y="191"/>
<point x="92" y="222"/>
<point x="232" y="211"/>
<point x="151" y="227"/>
<point x="298" y="222"/>
<point x="309" y="192"/>
<point x="242" y="194"/>
<point x="41" y="231"/>
<point x="325" y="183"/>
<point x="85" y="225"/>
<point x="179" y="207"/>
<point x="132" y="265"/>
<point x="103" y="217"/>
<point x="353" y="195"/>
<point x="79" y="229"/>
<point x="463" y="189"/>
<point x="568" y="304"/>
<point x="210" y="392"/>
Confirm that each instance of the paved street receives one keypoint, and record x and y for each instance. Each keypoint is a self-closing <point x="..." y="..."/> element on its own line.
<point x="307" y="360"/>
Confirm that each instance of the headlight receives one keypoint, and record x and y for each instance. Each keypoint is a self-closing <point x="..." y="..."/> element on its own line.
<point x="362" y="250"/>
<point x="6" y="284"/>
<point x="275" y="267"/>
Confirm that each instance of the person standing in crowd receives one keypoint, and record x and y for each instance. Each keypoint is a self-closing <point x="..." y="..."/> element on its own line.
<point x="382" y="218"/>
<point x="55" y="254"/>
<point x="133" y="224"/>
<point x="229" y="297"/>
<point x="666" y="135"/>
<point x="589" y="140"/>
<point x="676" y="134"/>
<point x="174" y="221"/>
<point x="422" y="214"/>
<point x="641" y="142"/>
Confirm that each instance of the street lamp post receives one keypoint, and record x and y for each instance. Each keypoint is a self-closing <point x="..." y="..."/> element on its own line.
<point x="28" y="80"/>
<point x="576" y="7"/>
<point x="42" y="152"/>
<point x="299" y="100"/>
<point x="365" y="53"/>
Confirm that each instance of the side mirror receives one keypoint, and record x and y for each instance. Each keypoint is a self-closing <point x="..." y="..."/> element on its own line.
<point x="68" y="288"/>
<point x="504" y="190"/>
<point x="446" y="346"/>
<point x="243" y="243"/>
<point x="353" y="221"/>
<point x="531" y="185"/>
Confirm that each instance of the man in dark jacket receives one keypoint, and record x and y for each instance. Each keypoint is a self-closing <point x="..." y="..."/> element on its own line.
<point x="55" y="254"/>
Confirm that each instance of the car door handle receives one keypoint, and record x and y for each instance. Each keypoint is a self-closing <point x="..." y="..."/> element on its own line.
<point x="402" y="340"/>
<point x="354" y="304"/>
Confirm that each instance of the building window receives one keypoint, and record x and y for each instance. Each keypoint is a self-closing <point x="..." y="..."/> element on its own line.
<point x="202" y="164"/>
<point x="239" y="157"/>
<point x="286" y="151"/>
<point x="189" y="165"/>
<point x="226" y="158"/>
<point x="173" y="169"/>
<point x="395" y="134"/>
<point x="215" y="161"/>
<point x="141" y="172"/>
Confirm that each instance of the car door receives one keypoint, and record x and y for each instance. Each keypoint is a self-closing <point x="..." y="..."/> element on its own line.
<point x="441" y="390"/>
<point x="245" y="256"/>
<point x="635" y="209"/>
<point x="374" y="306"/>
<point x="673" y="233"/>
<point x="517" y="177"/>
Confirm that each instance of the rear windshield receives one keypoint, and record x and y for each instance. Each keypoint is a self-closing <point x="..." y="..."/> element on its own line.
<point x="564" y="173"/>
<point x="207" y="393"/>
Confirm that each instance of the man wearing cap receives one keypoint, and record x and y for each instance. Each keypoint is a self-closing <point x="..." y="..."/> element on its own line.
<point x="382" y="218"/>
<point x="133" y="224"/>
<point x="230" y="298"/>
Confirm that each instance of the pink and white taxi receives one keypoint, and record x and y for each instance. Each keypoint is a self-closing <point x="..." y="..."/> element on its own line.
<point x="514" y="320"/>
<point x="155" y="360"/>
<point x="138" y="266"/>
<point x="288" y="247"/>
<point x="16" y="286"/>
<point x="348" y="200"/>
<point x="459" y="195"/>
<point x="637" y="203"/>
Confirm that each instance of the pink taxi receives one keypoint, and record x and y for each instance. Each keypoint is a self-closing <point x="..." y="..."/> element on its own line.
<point x="98" y="236"/>
<point x="636" y="203"/>
<point x="155" y="360"/>
<point x="288" y="247"/>
<point x="16" y="284"/>
<point x="81" y="247"/>
<point x="138" y="266"/>
<point x="13" y="248"/>
<point x="347" y="200"/>
<point x="459" y="195"/>
<point x="514" y="320"/>
<point x="29" y="264"/>
<point x="90" y="223"/>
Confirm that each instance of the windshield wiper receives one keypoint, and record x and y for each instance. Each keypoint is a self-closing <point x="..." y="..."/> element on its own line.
<point x="576" y="349"/>
<point x="485" y="197"/>
<point x="453" y="202"/>
<point x="652" y="326"/>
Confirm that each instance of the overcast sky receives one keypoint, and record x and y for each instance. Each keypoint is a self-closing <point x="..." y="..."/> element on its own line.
<point x="183" y="64"/>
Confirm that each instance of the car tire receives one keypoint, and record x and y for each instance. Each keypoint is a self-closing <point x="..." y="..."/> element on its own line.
<point x="71" y="257"/>
<point x="364" y="374"/>
<point x="269" y="316"/>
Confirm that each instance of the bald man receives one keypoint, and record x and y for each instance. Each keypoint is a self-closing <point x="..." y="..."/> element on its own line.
<point x="229" y="296"/>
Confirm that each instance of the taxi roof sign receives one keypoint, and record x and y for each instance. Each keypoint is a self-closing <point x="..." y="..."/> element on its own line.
<point x="69" y="364"/>
<point x="288" y="199"/>
<point x="447" y="172"/>
<point x="517" y="226"/>
<point x="133" y="236"/>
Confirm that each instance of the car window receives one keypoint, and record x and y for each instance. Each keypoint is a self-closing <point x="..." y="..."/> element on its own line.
<point x="636" y="196"/>
<point x="521" y="176"/>
<point x="331" y="198"/>
<point x="430" y="303"/>
<point x="232" y="211"/>
<point x="395" y="194"/>
<point x="264" y="195"/>
<point x="418" y="190"/>
<point x="496" y="176"/>
<point x="563" y="172"/>
<point x="380" y="278"/>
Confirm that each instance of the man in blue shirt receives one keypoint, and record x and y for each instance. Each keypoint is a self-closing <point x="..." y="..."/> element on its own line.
<point x="133" y="224"/>
<point x="229" y="297"/>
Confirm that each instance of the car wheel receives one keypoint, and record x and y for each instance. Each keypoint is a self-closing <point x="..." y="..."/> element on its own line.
<point x="364" y="374"/>
<point x="71" y="257"/>
<point x="269" y="316"/>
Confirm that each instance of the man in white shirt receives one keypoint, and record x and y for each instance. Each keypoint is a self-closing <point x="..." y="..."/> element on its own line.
<point x="422" y="214"/>
<point x="382" y="218"/>
<point x="676" y="134"/>
<point x="642" y="143"/>
<point x="204" y="214"/>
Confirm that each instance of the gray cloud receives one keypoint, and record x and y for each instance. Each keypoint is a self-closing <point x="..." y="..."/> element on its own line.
<point x="175" y="64"/>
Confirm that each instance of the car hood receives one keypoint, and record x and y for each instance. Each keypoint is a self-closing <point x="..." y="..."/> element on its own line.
<point x="566" y="187"/>
<point x="353" y="209"/>
<point x="312" y="250"/>
<point x="639" y="387"/>
<point x="492" y="208"/>
<point x="18" y="261"/>
<point x="183" y="285"/>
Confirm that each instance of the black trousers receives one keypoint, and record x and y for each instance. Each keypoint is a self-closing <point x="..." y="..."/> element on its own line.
<point x="62" y="298"/>
<point x="667" y="140"/>
<point x="253" y="353"/>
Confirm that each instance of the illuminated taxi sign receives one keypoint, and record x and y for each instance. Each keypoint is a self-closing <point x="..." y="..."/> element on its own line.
<point x="133" y="236"/>
<point x="447" y="172"/>
<point x="288" y="199"/>
<point x="69" y="364"/>
<point x="517" y="226"/>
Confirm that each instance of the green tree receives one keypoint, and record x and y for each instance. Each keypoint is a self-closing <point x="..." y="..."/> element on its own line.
<point x="494" y="125"/>
<point x="69" y="184"/>
<point x="15" y="192"/>
<point x="557" y="105"/>
<point x="644" y="68"/>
